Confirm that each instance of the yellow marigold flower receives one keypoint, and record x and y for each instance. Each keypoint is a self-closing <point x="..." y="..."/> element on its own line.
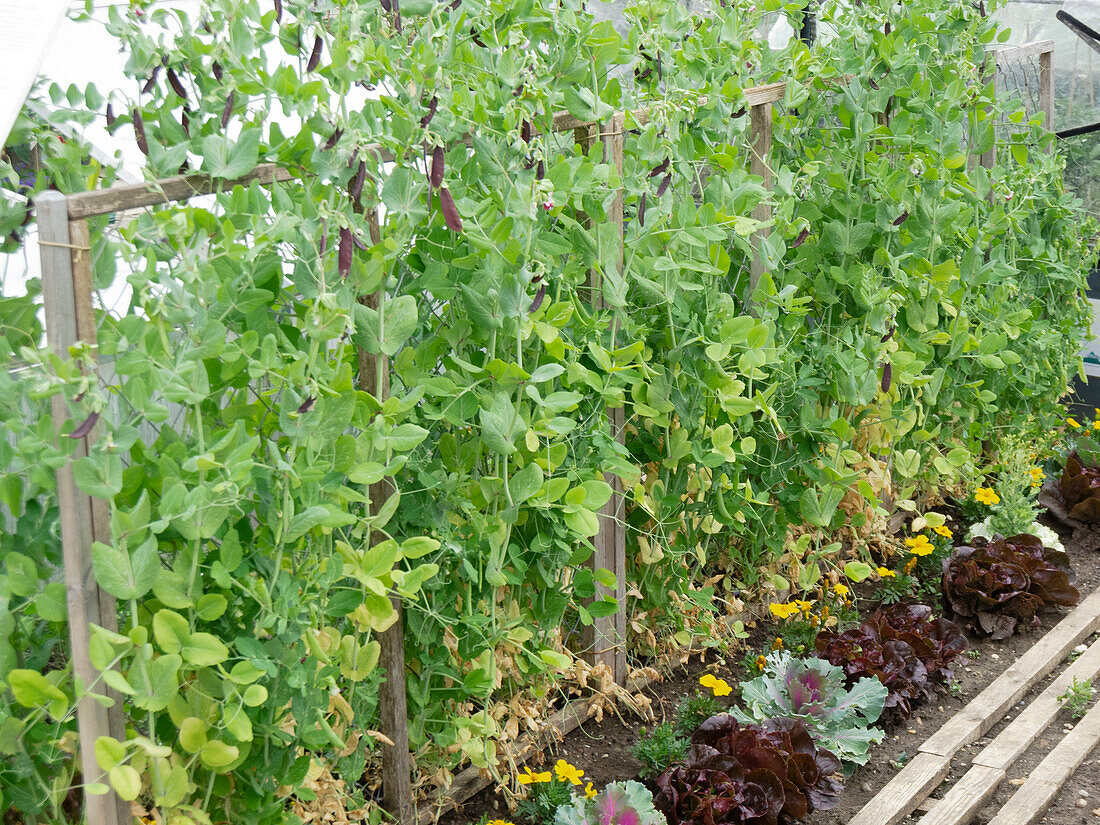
<point x="1037" y="475"/>
<point x="589" y="791"/>
<point x="884" y="573"/>
<point x="761" y="660"/>
<point x="922" y="549"/>
<point x="782" y="611"/>
<point x="986" y="495"/>
<point x="778" y="643"/>
<point x="532" y="778"/>
<point x="803" y="605"/>
<point x="943" y="530"/>
<point x="708" y="680"/>
<point x="721" y="688"/>
<point x="909" y="565"/>
<point x="824" y="612"/>
<point x="1072" y="422"/>
<point x="840" y="589"/>
<point x="498" y="822"/>
<point x="814" y="621"/>
<point x="567" y="773"/>
<point x="1096" y="424"/>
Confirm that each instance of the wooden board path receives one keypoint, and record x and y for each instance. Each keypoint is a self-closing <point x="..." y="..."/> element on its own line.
<point x="1040" y="788"/>
<point x="913" y="783"/>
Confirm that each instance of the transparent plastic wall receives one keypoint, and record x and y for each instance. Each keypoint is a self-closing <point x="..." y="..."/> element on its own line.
<point x="1076" y="83"/>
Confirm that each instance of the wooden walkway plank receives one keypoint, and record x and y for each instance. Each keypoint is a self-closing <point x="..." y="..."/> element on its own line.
<point x="902" y="793"/>
<point x="1035" y="795"/>
<point x="966" y="797"/>
<point x="1037" y="716"/>
<point x="915" y="781"/>
<point x="989" y="706"/>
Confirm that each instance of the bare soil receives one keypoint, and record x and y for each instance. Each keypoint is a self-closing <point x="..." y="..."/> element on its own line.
<point x="603" y="750"/>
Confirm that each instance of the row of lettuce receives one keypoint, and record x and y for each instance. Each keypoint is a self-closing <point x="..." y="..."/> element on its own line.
<point x="833" y="677"/>
<point x="915" y="311"/>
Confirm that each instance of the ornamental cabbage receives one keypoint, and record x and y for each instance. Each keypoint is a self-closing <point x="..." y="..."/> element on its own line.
<point x="903" y="647"/>
<point x="994" y="585"/>
<point x="769" y="773"/>
<point x="812" y="691"/>
<point x="620" y="803"/>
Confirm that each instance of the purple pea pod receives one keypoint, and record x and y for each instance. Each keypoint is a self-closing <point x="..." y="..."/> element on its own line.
<point x="176" y="84"/>
<point x="900" y="219"/>
<point x="85" y="426"/>
<point x="664" y="184"/>
<point x="801" y="239"/>
<point x="217" y="69"/>
<point x="151" y="82"/>
<point x="139" y="132"/>
<point x="641" y="210"/>
<point x="525" y="131"/>
<point x="346" y="247"/>
<point x="433" y="104"/>
<point x="227" y="112"/>
<point x="357" y="182"/>
<point x="450" y="211"/>
<point x="110" y="117"/>
<point x="278" y="11"/>
<point x="324" y="237"/>
<point x="335" y="136"/>
<point x="315" y="55"/>
<point x="659" y="169"/>
<point x="887" y="375"/>
<point x="435" y="177"/>
<point x="539" y="296"/>
<point x="307" y="405"/>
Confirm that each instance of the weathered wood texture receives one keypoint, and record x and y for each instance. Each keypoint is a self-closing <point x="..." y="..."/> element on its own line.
<point x="966" y="797"/>
<point x="911" y="785"/>
<point x="1042" y="785"/>
<point x="989" y="706"/>
<point x="902" y="793"/>
<point x="153" y="193"/>
<point x="393" y="717"/>
<point x="68" y="314"/>
<point x="1046" y="88"/>
<point x="759" y="164"/>
<point x="1037" y="716"/>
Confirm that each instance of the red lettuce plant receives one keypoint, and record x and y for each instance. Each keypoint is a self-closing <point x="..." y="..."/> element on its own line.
<point x="769" y="773"/>
<point x="1080" y="488"/>
<point x="994" y="585"/>
<point x="903" y="647"/>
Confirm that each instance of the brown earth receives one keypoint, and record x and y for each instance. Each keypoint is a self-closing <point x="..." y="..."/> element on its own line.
<point x="603" y="751"/>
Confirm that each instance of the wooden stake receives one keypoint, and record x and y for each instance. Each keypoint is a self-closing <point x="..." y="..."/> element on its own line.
<point x="83" y="520"/>
<point x="374" y="378"/>
<point x="1046" y="90"/>
<point x="760" y="125"/>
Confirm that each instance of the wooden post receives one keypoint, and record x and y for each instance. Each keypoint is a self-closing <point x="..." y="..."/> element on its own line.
<point x="66" y="297"/>
<point x="989" y="159"/>
<point x="374" y="378"/>
<point x="1046" y="90"/>
<point x="605" y="641"/>
<point x="611" y="540"/>
<point x="760" y="124"/>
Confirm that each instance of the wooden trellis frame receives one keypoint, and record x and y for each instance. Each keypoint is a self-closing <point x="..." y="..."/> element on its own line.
<point x="66" y="271"/>
<point x="67" y="297"/>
